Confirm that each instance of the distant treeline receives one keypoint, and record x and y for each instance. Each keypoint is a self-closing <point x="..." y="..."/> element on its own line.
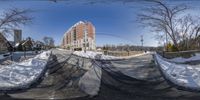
<point x="130" y="48"/>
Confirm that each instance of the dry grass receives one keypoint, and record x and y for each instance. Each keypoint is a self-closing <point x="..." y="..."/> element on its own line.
<point x="184" y="54"/>
<point x="122" y="53"/>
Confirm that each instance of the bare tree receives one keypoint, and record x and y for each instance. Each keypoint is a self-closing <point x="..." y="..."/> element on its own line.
<point x="49" y="41"/>
<point x="163" y="18"/>
<point x="189" y="30"/>
<point x="13" y="18"/>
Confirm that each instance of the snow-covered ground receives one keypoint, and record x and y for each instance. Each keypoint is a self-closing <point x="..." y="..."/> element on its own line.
<point x="61" y="49"/>
<point x="180" y="74"/>
<point x="23" y="74"/>
<point x="196" y="57"/>
<point x="94" y="55"/>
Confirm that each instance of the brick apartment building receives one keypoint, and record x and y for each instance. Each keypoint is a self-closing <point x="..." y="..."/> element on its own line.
<point x="80" y="36"/>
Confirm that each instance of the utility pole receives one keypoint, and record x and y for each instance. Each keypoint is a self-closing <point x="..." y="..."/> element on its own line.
<point x="142" y="40"/>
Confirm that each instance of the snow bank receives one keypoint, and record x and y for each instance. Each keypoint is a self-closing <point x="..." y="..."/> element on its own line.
<point x="94" y="55"/>
<point x="22" y="75"/>
<point x="91" y="80"/>
<point x="183" y="75"/>
<point x="182" y="60"/>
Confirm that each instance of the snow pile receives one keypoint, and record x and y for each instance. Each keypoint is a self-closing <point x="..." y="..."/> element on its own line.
<point x="183" y="75"/>
<point x="22" y="75"/>
<point x="100" y="55"/>
<point x="2" y="56"/>
<point x="88" y="54"/>
<point x="44" y="55"/>
<point x="91" y="80"/>
<point x="182" y="60"/>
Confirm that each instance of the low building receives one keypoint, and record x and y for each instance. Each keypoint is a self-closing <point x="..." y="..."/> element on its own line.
<point x="24" y="45"/>
<point x="81" y="36"/>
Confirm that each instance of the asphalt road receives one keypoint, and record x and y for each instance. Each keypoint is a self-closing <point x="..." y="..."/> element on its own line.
<point x="137" y="79"/>
<point x="133" y="79"/>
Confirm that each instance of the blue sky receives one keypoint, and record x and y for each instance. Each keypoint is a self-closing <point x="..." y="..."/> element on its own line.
<point x="115" y="23"/>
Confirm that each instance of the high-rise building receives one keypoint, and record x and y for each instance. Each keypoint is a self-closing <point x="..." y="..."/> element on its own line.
<point x="17" y="36"/>
<point x="80" y="36"/>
